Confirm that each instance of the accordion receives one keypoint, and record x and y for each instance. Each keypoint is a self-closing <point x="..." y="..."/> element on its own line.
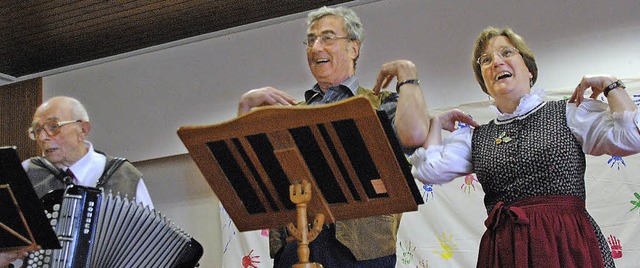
<point x="105" y="230"/>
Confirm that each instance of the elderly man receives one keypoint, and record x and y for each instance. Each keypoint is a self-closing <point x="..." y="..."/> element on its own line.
<point x="60" y="127"/>
<point x="334" y="38"/>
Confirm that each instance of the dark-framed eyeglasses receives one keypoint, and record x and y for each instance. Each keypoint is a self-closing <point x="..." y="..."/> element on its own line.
<point x="503" y="52"/>
<point x="51" y="127"/>
<point x="326" y="39"/>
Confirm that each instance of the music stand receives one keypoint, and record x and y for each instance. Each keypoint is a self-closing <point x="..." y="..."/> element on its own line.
<point x="24" y="225"/>
<point x="346" y="151"/>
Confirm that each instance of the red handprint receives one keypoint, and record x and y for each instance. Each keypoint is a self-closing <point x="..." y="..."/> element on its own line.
<point x="250" y="261"/>
<point x="616" y="248"/>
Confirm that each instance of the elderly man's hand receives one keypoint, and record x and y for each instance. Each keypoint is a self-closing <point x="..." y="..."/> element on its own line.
<point x="263" y="96"/>
<point x="7" y="257"/>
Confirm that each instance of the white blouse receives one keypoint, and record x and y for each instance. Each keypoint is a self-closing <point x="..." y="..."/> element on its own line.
<point x="596" y="128"/>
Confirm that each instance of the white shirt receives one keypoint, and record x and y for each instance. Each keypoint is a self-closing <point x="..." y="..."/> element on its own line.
<point x="594" y="126"/>
<point x="89" y="169"/>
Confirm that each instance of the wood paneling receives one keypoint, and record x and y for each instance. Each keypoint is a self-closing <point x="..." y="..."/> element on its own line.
<point x="18" y="102"/>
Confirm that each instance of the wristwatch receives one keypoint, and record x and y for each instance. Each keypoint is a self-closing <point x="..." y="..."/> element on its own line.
<point x="616" y="84"/>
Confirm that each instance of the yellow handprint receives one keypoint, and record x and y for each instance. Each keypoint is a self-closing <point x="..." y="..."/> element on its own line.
<point x="447" y="247"/>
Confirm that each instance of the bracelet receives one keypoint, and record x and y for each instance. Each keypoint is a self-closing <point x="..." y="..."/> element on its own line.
<point x="408" y="81"/>
<point x="616" y="84"/>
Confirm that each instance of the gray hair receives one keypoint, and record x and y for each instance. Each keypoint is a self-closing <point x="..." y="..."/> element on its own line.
<point x="352" y="23"/>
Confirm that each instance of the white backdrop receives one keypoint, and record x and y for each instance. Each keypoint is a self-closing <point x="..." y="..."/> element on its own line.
<point x="446" y="230"/>
<point x="137" y="103"/>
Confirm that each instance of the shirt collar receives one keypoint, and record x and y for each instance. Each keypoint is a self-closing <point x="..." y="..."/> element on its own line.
<point x="81" y="167"/>
<point x="527" y="104"/>
<point x="352" y="83"/>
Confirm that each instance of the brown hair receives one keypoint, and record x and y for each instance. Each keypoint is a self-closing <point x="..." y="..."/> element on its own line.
<point x="515" y="39"/>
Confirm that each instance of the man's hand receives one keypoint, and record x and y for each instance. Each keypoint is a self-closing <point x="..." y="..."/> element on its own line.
<point x="401" y="69"/>
<point x="7" y="257"/>
<point x="597" y="83"/>
<point x="263" y="96"/>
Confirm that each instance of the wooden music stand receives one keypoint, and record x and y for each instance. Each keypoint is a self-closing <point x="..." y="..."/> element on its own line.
<point x="265" y="164"/>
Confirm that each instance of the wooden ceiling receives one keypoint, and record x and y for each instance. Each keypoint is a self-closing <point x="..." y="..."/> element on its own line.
<point x="41" y="35"/>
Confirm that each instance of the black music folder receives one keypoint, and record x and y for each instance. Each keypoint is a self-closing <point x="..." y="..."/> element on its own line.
<point x="347" y="150"/>
<point x="23" y="225"/>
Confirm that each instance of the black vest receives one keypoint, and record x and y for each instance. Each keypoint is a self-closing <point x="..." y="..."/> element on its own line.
<point x="541" y="158"/>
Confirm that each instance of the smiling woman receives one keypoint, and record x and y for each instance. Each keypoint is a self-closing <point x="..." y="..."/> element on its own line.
<point x="486" y="46"/>
<point x="530" y="160"/>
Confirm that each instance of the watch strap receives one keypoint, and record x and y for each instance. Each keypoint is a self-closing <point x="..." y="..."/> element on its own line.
<point x="616" y="84"/>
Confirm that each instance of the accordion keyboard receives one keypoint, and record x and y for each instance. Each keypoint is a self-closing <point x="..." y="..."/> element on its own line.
<point x="98" y="230"/>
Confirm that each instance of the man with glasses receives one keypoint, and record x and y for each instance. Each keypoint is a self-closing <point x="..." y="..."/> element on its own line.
<point x="60" y="127"/>
<point x="334" y="38"/>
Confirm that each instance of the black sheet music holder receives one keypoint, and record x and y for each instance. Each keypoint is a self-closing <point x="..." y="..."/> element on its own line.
<point x="23" y="225"/>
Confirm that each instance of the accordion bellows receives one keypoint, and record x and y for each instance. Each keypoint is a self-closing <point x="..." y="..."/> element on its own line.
<point x="106" y="230"/>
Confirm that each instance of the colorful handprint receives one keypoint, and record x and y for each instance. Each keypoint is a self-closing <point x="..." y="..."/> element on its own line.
<point x="636" y="203"/>
<point x="447" y="246"/>
<point x="616" y="247"/>
<point x="468" y="183"/>
<point x="407" y="252"/>
<point x="249" y="261"/>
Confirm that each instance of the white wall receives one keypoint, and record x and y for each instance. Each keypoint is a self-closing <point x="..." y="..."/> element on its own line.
<point x="137" y="103"/>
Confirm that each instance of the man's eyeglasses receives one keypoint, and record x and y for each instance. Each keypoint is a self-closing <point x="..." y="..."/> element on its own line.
<point x="325" y="39"/>
<point x="503" y="52"/>
<point x="51" y="127"/>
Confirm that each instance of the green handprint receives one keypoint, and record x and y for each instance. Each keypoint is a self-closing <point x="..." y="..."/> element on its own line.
<point x="407" y="253"/>
<point x="636" y="204"/>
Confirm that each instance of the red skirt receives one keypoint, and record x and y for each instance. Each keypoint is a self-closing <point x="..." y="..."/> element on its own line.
<point x="548" y="231"/>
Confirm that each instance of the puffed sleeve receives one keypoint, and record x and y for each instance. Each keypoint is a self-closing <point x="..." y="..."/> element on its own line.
<point x="442" y="163"/>
<point x="602" y="132"/>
